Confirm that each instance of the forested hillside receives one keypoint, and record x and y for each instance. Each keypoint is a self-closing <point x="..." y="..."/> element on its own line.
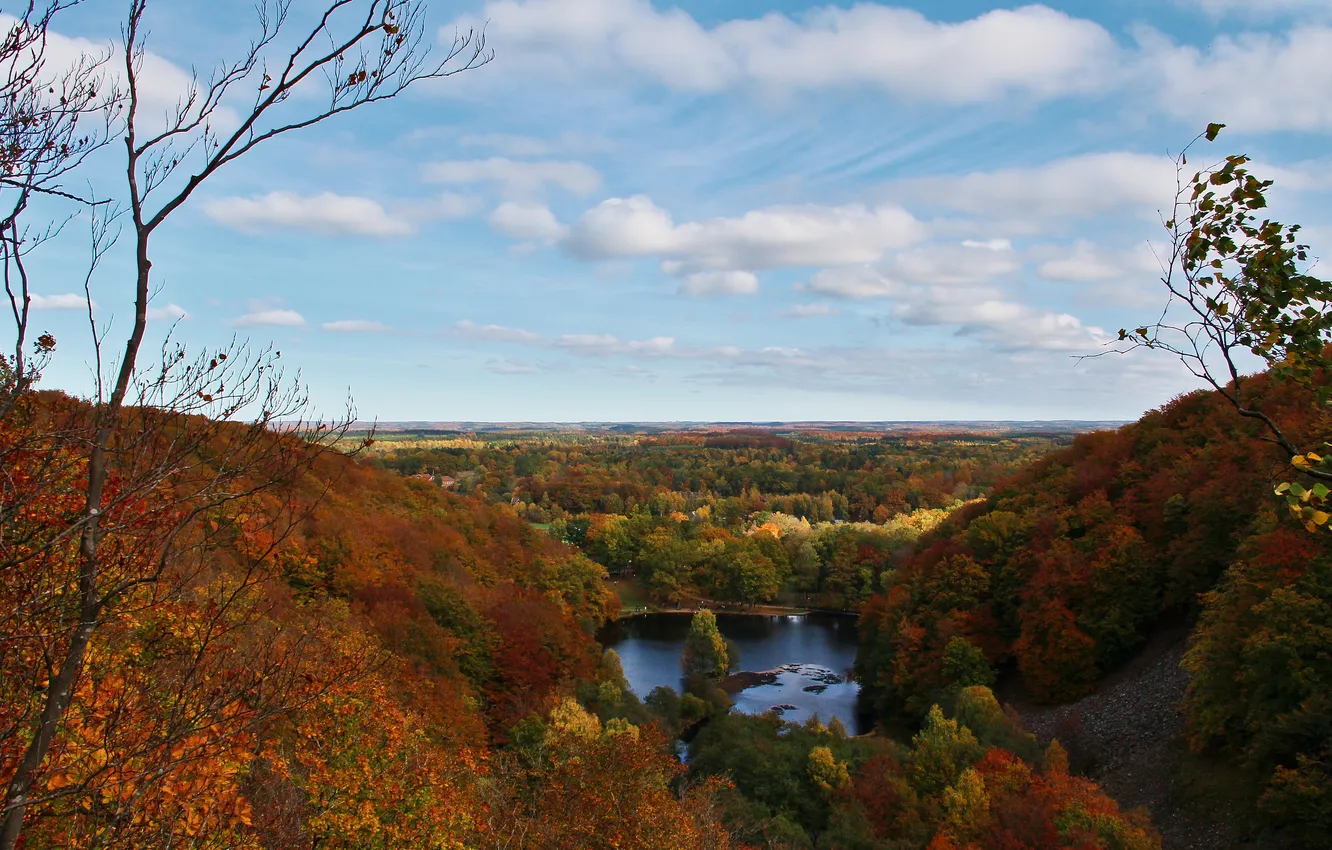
<point x="228" y="621"/>
<point x="336" y="656"/>
<point x="330" y="662"/>
<point x="808" y="518"/>
<point x="1069" y="566"/>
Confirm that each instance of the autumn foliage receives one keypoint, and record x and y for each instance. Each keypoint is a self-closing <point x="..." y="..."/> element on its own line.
<point x="326" y="663"/>
<point x="1066" y="569"/>
<point x="974" y="780"/>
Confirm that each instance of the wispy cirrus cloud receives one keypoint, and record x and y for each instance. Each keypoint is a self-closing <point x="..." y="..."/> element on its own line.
<point x="515" y="177"/>
<point x="514" y="145"/>
<point x="1029" y="197"/>
<point x="809" y="311"/>
<point x="355" y="326"/>
<point x="467" y="329"/>
<point x="1026" y="355"/>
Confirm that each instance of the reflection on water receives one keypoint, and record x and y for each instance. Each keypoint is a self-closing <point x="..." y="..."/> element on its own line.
<point x="813" y="652"/>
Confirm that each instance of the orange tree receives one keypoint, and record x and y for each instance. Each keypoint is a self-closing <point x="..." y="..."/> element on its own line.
<point x="131" y="477"/>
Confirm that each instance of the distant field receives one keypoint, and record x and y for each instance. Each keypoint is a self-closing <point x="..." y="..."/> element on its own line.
<point x="396" y="431"/>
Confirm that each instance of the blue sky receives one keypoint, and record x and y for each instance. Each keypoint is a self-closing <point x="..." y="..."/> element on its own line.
<point x="729" y="210"/>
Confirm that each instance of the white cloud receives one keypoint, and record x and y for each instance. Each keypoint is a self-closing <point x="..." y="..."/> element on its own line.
<point x="516" y="178"/>
<point x="65" y="301"/>
<point x="719" y="283"/>
<point x="527" y="220"/>
<point x="1253" y="82"/>
<point x="1251" y="9"/>
<point x="1032" y="50"/>
<point x="807" y="311"/>
<point x="1085" y="262"/>
<point x="1019" y="342"/>
<point x="169" y="313"/>
<point x="270" y="318"/>
<point x="606" y="344"/>
<point x="448" y="206"/>
<point x="507" y="144"/>
<point x="161" y="85"/>
<point x="623" y="227"/>
<point x="1079" y="186"/>
<point x="591" y="345"/>
<point x="356" y="326"/>
<point x="777" y="237"/>
<point x="1002" y="325"/>
<point x="939" y="264"/>
<point x="325" y="214"/>
<point x="989" y="244"/>
<point x="969" y="262"/>
<point x="1079" y="267"/>
<point x="467" y="329"/>
<point x="512" y="366"/>
<point x="1258" y="81"/>
<point x="854" y="282"/>
<point x="956" y="285"/>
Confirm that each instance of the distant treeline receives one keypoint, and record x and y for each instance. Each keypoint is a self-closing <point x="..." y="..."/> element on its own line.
<point x="819" y="477"/>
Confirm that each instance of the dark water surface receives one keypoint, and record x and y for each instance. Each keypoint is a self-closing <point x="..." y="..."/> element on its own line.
<point x="811" y="650"/>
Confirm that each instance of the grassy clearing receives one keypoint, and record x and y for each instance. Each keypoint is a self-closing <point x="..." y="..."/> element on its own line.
<point x="633" y="595"/>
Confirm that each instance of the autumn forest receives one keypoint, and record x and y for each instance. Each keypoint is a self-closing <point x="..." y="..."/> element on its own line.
<point x="228" y="620"/>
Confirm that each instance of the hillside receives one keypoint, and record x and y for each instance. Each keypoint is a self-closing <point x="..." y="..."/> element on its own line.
<point x="1063" y="574"/>
<point x="328" y="659"/>
<point x="322" y="653"/>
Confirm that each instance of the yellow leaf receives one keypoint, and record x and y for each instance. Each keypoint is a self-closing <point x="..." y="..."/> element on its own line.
<point x="58" y="780"/>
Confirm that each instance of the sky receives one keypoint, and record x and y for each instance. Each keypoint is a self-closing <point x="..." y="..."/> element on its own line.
<point x="753" y="210"/>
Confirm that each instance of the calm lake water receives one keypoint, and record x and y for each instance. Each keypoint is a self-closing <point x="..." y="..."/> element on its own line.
<point x="812" y="650"/>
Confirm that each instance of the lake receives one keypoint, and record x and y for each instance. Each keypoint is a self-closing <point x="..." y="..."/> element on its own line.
<point x="814" y="651"/>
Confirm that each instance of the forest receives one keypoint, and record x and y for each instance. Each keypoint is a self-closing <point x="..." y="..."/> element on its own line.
<point x="356" y="658"/>
<point x="227" y="621"/>
<point x="744" y="517"/>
